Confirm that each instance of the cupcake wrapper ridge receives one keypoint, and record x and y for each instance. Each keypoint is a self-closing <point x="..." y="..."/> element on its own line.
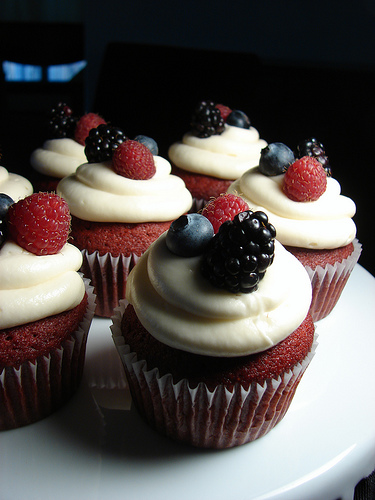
<point x="328" y="283"/>
<point x="37" y="389"/>
<point x="205" y="419"/>
<point x="108" y="275"/>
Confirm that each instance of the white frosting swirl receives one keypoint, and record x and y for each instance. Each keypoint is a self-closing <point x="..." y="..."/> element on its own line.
<point x="33" y="287"/>
<point x="322" y="224"/>
<point x="180" y="308"/>
<point x="58" y="157"/>
<point x="14" y="185"/>
<point x="96" y="193"/>
<point x="226" y="156"/>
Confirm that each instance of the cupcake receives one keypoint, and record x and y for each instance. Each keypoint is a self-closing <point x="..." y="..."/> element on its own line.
<point x="220" y="147"/>
<point x="46" y="311"/>
<point x="214" y="345"/>
<point x="64" y="151"/>
<point x="14" y="185"/>
<point x="313" y="220"/>
<point x="121" y="201"/>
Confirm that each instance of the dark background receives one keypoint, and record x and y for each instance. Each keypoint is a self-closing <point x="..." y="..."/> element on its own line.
<point x="297" y="69"/>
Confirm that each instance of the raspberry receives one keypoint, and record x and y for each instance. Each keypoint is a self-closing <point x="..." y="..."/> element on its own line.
<point x="40" y="223"/>
<point x="224" y="111"/>
<point x="85" y="124"/>
<point x="223" y="208"/>
<point x="133" y="160"/>
<point x="305" y="180"/>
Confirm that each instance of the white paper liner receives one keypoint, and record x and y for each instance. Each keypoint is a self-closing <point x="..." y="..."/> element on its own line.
<point x="38" y="388"/>
<point x="205" y="419"/>
<point x="328" y="283"/>
<point x="108" y="275"/>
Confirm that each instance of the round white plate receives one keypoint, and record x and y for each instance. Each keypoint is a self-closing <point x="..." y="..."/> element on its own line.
<point x="321" y="449"/>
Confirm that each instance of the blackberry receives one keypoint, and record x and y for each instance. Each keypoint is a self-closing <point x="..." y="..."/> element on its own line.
<point x="102" y="141"/>
<point x="62" y="122"/>
<point x="312" y="147"/>
<point x="207" y="120"/>
<point x="238" y="255"/>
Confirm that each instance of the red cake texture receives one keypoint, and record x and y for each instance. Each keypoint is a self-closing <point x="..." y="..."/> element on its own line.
<point x="314" y="258"/>
<point x="115" y="237"/>
<point x="41" y="364"/>
<point x="202" y="187"/>
<point x="110" y="250"/>
<point x="211" y="402"/>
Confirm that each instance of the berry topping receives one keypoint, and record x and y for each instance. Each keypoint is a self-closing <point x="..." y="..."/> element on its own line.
<point x="238" y="255"/>
<point x="148" y="142"/>
<point x="40" y="223"/>
<point x="5" y="202"/>
<point x="85" y="124"/>
<point x="62" y="123"/>
<point x="312" y="147"/>
<point x="189" y="235"/>
<point x="239" y="119"/>
<point x="224" y="208"/>
<point x="207" y="120"/>
<point x="133" y="160"/>
<point x="224" y="111"/>
<point x="275" y="159"/>
<point x="102" y="141"/>
<point x="305" y="180"/>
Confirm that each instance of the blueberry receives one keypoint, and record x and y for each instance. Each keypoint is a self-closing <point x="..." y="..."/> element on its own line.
<point x="149" y="143"/>
<point x="275" y="159"/>
<point x="189" y="234"/>
<point x="5" y="202"/>
<point x="239" y="119"/>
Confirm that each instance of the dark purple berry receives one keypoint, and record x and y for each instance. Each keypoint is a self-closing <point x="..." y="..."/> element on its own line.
<point x="237" y="257"/>
<point x="239" y="119"/>
<point x="207" y="120"/>
<point x="5" y="202"/>
<point x="312" y="147"/>
<point x="62" y="122"/>
<point x="102" y="141"/>
<point x="275" y="159"/>
<point x="189" y="235"/>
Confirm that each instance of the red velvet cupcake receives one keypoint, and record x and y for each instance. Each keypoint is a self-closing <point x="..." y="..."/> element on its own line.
<point x="213" y="358"/>
<point x="313" y="220"/>
<point x="220" y="147"/>
<point x="121" y="201"/>
<point x="46" y="312"/>
<point x="64" y="150"/>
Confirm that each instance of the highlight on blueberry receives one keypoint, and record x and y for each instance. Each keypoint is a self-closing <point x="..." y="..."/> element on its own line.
<point x="149" y="142"/>
<point x="5" y="202"/>
<point x="239" y="119"/>
<point x="189" y="235"/>
<point x="275" y="159"/>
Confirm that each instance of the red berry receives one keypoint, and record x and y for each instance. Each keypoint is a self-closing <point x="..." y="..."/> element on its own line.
<point x="133" y="160"/>
<point x="305" y="180"/>
<point x="224" y="208"/>
<point x="85" y="124"/>
<point x="40" y="223"/>
<point x="224" y="111"/>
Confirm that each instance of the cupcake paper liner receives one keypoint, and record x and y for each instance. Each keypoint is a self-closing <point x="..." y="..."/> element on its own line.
<point x="37" y="389"/>
<point x="328" y="283"/>
<point x="198" y="416"/>
<point x="108" y="275"/>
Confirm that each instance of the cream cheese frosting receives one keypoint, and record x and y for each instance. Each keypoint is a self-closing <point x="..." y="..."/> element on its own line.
<point x="226" y="156"/>
<point x="96" y="193"/>
<point x="180" y="308"/>
<point x="58" y="157"/>
<point x="33" y="287"/>
<point x="322" y="224"/>
<point x="14" y="185"/>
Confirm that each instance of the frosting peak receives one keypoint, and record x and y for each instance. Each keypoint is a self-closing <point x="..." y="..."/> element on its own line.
<point x="179" y="307"/>
<point x="14" y="185"/>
